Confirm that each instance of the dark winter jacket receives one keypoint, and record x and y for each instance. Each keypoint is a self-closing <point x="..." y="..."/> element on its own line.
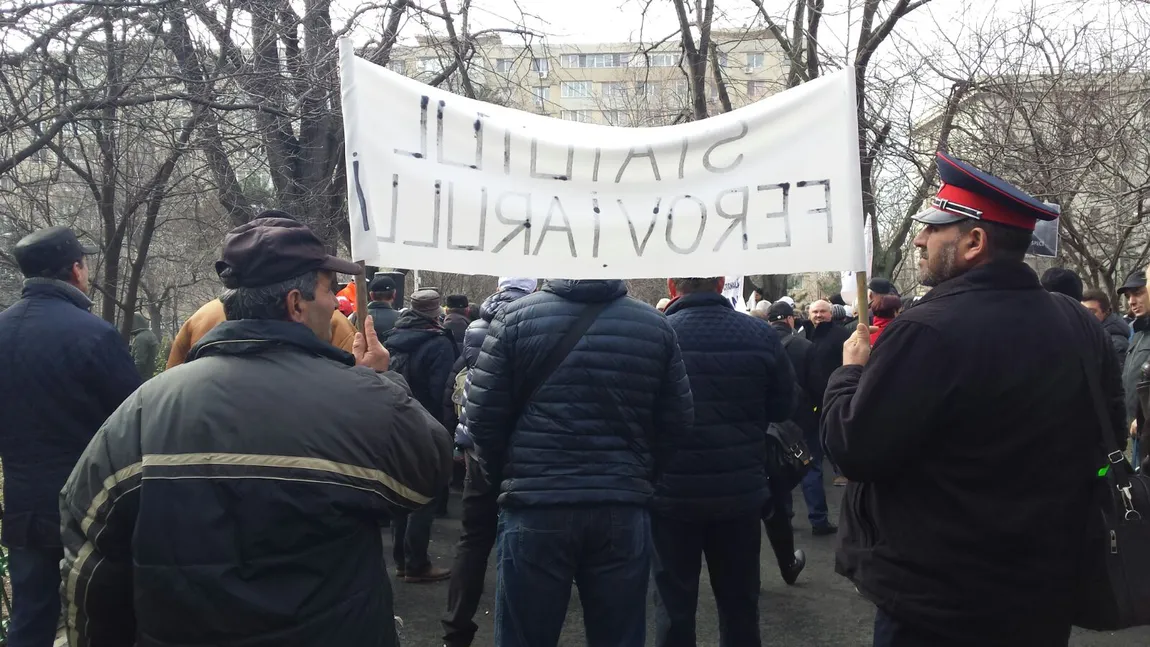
<point x="457" y="324"/>
<point x="741" y="381"/>
<point x="145" y="348"/>
<point x="972" y="448"/>
<point x="596" y="430"/>
<point x="827" y="341"/>
<point x="422" y="352"/>
<point x="63" y="371"/>
<point x="808" y="397"/>
<point x="1119" y="332"/>
<point x="238" y="499"/>
<point x="1137" y="355"/>
<point x="383" y="317"/>
<point x="472" y="343"/>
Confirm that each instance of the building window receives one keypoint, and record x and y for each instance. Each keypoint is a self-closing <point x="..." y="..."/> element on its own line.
<point x="664" y="59"/>
<point x="541" y="95"/>
<point x="755" y="60"/>
<point x="399" y="67"/>
<point x="504" y="65"/>
<point x="430" y="65"/>
<point x="582" y="116"/>
<point x="756" y="89"/>
<point x="615" y="90"/>
<point x="540" y="65"/>
<point x="596" y="60"/>
<point x="616" y="117"/>
<point x="575" y="89"/>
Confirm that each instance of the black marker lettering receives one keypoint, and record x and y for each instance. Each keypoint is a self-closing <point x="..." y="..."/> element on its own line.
<point x="394" y="210"/>
<point x="631" y="154"/>
<point x="359" y="194"/>
<point x="478" y="247"/>
<point x="550" y="176"/>
<point x="523" y="225"/>
<point x="726" y="140"/>
<point x="671" y="219"/>
<point x="422" y="154"/>
<point x="826" y="208"/>
<point x="547" y="226"/>
<point x="785" y="214"/>
<point x="434" y="222"/>
<point x="640" y="247"/>
<point x="738" y="218"/>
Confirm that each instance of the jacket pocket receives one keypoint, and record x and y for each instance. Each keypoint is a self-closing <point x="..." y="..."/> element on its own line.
<point x="859" y="515"/>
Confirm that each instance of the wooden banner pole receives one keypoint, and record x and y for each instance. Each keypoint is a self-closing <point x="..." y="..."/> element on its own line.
<point x="361" y="298"/>
<point x="862" y="309"/>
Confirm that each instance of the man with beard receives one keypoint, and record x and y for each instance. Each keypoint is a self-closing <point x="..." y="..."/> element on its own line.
<point x="969" y="436"/>
<point x="1138" y="306"/>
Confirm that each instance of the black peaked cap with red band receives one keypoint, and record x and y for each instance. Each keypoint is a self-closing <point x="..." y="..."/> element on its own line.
<point x="967" y="192"/>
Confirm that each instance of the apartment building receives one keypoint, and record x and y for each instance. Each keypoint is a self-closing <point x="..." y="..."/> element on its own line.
<point x="619" y="84"/>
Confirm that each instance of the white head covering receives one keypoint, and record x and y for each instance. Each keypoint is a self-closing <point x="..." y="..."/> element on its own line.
<point x="517" y="283"/>
<point x="789" y="301"/>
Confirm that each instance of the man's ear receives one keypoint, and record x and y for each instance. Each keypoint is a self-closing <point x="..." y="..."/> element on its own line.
<point x="294" y="302"/>
<point x="721" y="284"/>
<point x="671" y="291"/>
<point x="974" y="244"/>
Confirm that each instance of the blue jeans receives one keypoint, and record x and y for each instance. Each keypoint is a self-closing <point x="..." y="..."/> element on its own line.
<point x="605" y="550"/>
<point x="813" y="492"/>
<point x="35" y="574"/>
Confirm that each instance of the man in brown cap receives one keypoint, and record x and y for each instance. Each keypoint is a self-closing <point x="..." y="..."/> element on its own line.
<point x="237" y="499"/>
<point x="422" y="351"/>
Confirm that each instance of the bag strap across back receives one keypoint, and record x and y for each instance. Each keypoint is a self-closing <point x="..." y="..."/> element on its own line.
<point x="1114" y="455"/>
<point x="562" y="349"/>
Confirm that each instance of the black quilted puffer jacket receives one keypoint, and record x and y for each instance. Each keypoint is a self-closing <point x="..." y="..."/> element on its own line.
<point x="597" y="430"/>
<point x="472" y="342"/>
<point x="741" y="381"/>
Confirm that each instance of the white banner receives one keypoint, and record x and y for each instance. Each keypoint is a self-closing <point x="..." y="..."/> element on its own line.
<point x="440" y="182"/>
<point x="733" y="292"/>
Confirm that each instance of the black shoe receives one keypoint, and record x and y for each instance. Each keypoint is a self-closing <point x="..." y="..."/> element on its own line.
<point x="823" y="531"/>
<point x="791" y="573"/>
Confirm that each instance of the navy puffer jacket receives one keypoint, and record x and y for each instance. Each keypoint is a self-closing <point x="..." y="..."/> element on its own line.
<point x="741" y="381"/>
<point x="598" y="428"/>
<point x="472" y="343"/>
<point x="422" y="352"/>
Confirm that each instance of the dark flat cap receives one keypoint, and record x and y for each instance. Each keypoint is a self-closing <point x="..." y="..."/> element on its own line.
<point x="968" y="192"/>
<point x="456" y="301"/>
<point x="381" y="283"/>
<point x="48" y="250"/>
<point x="426" y="302"/>
<point x="274" y="248"/>
<point x="879" y="285"/>
<point x="1136" y="279"/>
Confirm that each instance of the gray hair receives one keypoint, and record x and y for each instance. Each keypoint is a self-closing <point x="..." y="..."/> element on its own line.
<point x="267" y="301"/>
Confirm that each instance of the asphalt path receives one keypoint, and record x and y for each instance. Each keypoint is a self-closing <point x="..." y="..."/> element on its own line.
<point x="822" y="609"/>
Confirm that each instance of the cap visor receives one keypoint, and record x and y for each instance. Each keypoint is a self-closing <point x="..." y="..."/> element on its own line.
<point x="334" y="264"/>
<point x="932" y="216"/>
<point x="89" y="250"/>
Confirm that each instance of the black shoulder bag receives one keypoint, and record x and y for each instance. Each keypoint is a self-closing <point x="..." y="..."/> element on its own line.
<point x="1113" y="589"/>
<point x="559" y="353"/>
<point x="788" y="457"/>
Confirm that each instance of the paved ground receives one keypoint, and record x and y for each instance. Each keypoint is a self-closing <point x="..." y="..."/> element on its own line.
<point x="821" y="610"/>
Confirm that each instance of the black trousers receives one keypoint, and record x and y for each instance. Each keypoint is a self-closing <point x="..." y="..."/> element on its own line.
<point x="780" y="534"/>
<point x="480" y="522"/>
<point x="889" y="632"/>
<point x="732" y="551"/>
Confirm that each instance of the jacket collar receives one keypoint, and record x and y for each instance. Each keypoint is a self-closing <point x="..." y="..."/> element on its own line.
<point x="1009" y="275"/>
<point x="411" y="320"/>
<point x="255" y="336"/>
<point x="1141" y="324"/>
<point x="42" y="287"/>
<point x="586" y="290"/>
<point x="697" y="300"/>
<point x="379" y="305"/>
<point x="782" y="328"/>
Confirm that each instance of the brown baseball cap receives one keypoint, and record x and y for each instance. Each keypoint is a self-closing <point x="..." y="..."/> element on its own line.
<point x="274" y="248"/>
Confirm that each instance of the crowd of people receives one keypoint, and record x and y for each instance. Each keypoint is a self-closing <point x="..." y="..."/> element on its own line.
<point x="242" y="495"/>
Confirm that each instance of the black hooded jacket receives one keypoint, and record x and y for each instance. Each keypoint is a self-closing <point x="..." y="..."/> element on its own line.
<point x="422" y="352"/>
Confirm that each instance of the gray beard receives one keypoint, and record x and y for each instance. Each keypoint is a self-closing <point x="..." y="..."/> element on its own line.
<point x="932" y="276"/>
